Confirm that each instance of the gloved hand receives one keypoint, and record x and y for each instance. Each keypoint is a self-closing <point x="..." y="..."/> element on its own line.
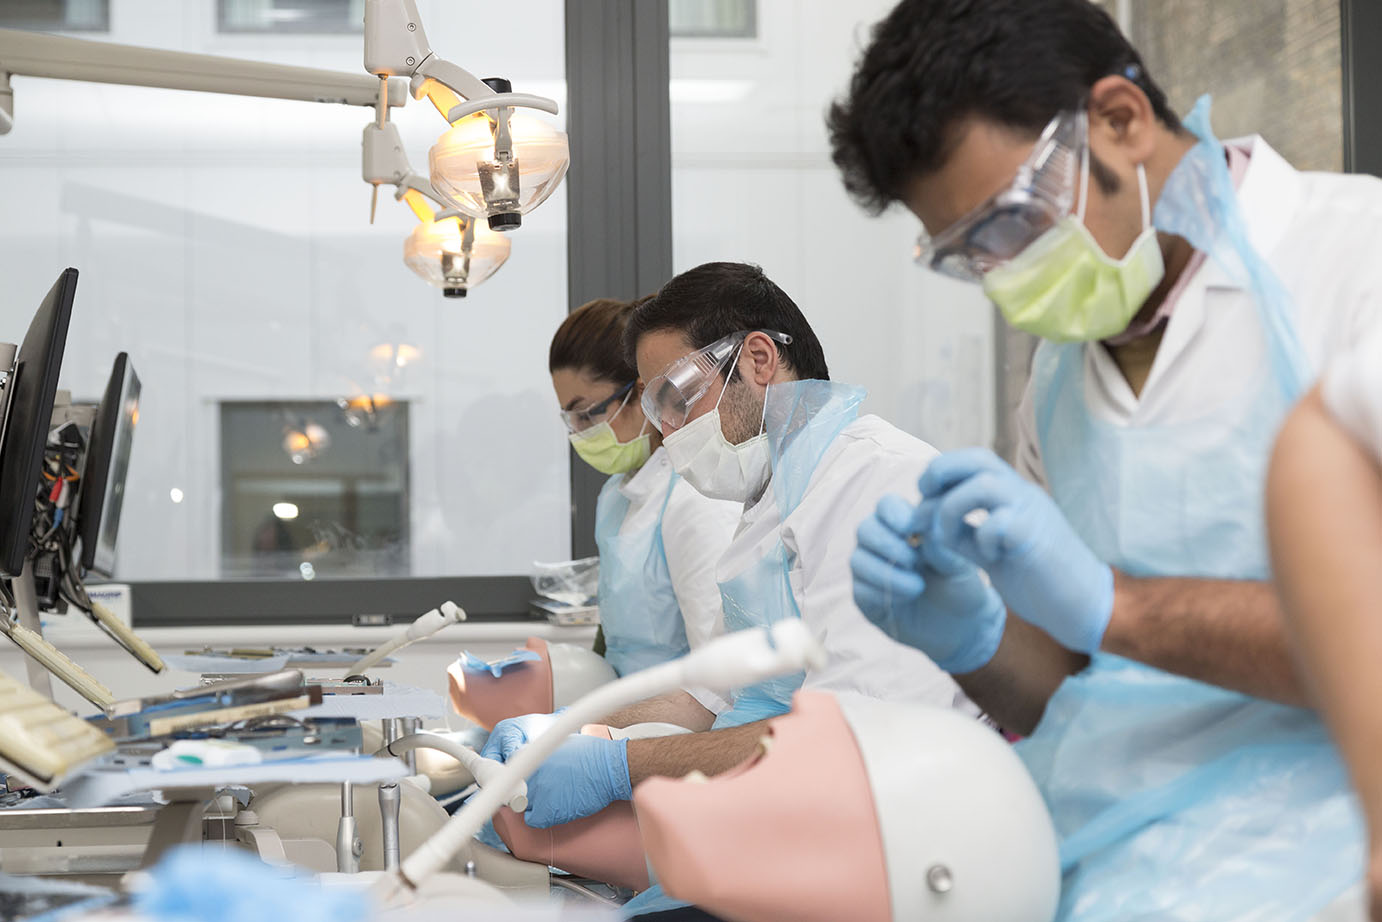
<point x="925" y="597"/>
<point x="585" y="775"/>
<point x="1036" y="561"/>
<point x="512" y="732"/>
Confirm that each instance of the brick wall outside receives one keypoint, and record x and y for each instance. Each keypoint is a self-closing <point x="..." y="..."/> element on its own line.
<point x="1273" y="67"/>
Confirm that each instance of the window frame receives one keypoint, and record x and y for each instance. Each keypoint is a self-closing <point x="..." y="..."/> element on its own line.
<point x="619" y="244"/>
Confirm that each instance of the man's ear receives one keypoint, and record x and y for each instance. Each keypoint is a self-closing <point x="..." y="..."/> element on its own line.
<point x="1121" y="118"/>
<point x="764" y="358"/>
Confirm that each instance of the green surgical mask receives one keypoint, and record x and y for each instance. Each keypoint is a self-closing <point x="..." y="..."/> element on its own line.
<point x="599" y="447"/>
<point x="1065" y="288"/>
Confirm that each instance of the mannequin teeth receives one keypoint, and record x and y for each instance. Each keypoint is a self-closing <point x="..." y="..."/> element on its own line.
<point x="696" y="776"/>
<point x="765" y="745"/>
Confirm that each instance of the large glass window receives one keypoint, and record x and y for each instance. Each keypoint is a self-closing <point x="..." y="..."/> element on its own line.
<point x="304" y="16"/>
<point x="752" y="181"/>
<point x="712" y="18"/>
<point x="225" y="243"/>
<point x="314" y="488"/>
<point x="1273" y="67"/>
<point x="56" y="15"/>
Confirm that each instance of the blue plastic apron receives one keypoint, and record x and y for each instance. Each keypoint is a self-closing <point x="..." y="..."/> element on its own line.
<point x="802" y="419"/>
<point x="639" y="612"/>
<point x="1175" y="799"/>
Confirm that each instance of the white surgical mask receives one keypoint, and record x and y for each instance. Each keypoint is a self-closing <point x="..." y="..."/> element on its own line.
<point x="716" y="468"/>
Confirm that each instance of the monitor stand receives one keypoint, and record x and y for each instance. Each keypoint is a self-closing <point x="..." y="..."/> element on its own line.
<point x="26" y="600"/>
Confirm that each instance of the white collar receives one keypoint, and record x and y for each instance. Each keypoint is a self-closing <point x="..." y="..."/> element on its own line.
<point x="1268" y="198"/>
<point x="649" y="478"/>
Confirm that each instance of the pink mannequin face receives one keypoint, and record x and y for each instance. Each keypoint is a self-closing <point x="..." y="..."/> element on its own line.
<point x="790" y="834"/>
<point x="605" y="846"/>
<point x="524" y="688"/>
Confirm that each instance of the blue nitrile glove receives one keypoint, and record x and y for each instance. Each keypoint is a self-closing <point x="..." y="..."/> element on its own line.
<point x="1043" y="570"/>
<point x="585" y="775"/>
<point x="512" y="732"/>
<point x="925" y="597"/>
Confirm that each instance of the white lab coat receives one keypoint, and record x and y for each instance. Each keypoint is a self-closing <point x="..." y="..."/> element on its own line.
<point x="1322" y="235"/>
<point x="868" y="459"/>
<point x="696" y="530"/>
<point x="1352" y="391"/>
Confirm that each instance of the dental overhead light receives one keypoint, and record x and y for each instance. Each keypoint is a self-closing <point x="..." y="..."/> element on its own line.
<point x="454" y="253"/>
<point x="493" y="163"/>
<point x="449" y="250"/>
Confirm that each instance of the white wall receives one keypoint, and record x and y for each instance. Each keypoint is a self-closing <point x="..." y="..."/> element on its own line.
<point x="752" y="181"/>
<point x="225" y="244"/>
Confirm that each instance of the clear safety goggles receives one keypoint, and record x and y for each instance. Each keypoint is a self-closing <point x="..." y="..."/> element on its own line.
<point x="1041" y="194"/>
<point x="669" y="397"/>
<point x="582" y="419"/>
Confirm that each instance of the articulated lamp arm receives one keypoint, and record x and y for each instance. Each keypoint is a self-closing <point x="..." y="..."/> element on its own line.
<point x="36" y="54"/>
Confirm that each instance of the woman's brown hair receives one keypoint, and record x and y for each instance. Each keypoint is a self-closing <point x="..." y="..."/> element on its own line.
<point x="591" y="338"/>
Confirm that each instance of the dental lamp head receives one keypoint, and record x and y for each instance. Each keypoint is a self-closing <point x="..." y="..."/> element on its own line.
<point x="455" y="252"/>
<point x="494" y="162"/>
<point x="448" y="249"/>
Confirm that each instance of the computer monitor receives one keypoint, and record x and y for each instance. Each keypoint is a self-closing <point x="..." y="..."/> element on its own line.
<point x="107" y="460"/>
<point x="29" y="400"/>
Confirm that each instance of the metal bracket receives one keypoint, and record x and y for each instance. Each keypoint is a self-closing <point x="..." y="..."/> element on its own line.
<point x="384" y="158"/>
<point x="395" y="42"/>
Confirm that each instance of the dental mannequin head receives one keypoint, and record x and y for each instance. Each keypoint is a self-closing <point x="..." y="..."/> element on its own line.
<point x="918" y="127"/>
<point x="949" y="829"/>
<point x="707" y="303"/>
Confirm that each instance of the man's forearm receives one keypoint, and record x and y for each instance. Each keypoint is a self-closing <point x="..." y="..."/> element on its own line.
<point x="1022" y="676"/>
<point x="710" y="752"/>
<point x="677" y="707"/>
<point x="1228" y="633"/>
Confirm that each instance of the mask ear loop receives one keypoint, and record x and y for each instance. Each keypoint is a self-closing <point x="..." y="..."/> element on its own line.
<point x="642" y="430"/>
<point x="729" y="370"/>
<point x="1142" y="194"/>
<point x="1084" y="177"/>
<point x="623" y="403"/>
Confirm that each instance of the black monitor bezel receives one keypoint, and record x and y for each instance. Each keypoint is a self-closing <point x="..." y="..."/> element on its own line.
<point x="32" y="390"/>
<point x="100" y="454"/>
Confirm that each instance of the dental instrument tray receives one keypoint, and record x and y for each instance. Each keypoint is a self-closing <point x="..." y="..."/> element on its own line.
<point x="276" y="737"/>
<point x="207" y="705"/>
<point x="296" y="656"/>
<point x="351" y="685"/>
<point x="565" y="614"/>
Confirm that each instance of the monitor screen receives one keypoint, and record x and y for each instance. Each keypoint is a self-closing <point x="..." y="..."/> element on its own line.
<point x="107" y="460"/>
<point x="29" y="401"/>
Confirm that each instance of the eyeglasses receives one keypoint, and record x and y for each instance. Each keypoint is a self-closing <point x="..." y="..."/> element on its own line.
<point x="1041" y="194"/>
<point x="669" y="397"/>
<point x="580" y="420"/>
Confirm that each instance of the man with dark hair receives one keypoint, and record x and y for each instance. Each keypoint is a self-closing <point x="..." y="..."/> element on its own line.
<point x="1186" y="290"/>
<point x="735" y="380"/>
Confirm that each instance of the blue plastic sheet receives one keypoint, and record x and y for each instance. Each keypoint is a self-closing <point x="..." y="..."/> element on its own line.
<point x="472" y="663"/>
<point x="196" y="884"/>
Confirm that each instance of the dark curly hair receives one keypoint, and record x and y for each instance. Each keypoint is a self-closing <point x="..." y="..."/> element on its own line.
<point x="932" y="63"/>
<point x="714" y="300"/>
